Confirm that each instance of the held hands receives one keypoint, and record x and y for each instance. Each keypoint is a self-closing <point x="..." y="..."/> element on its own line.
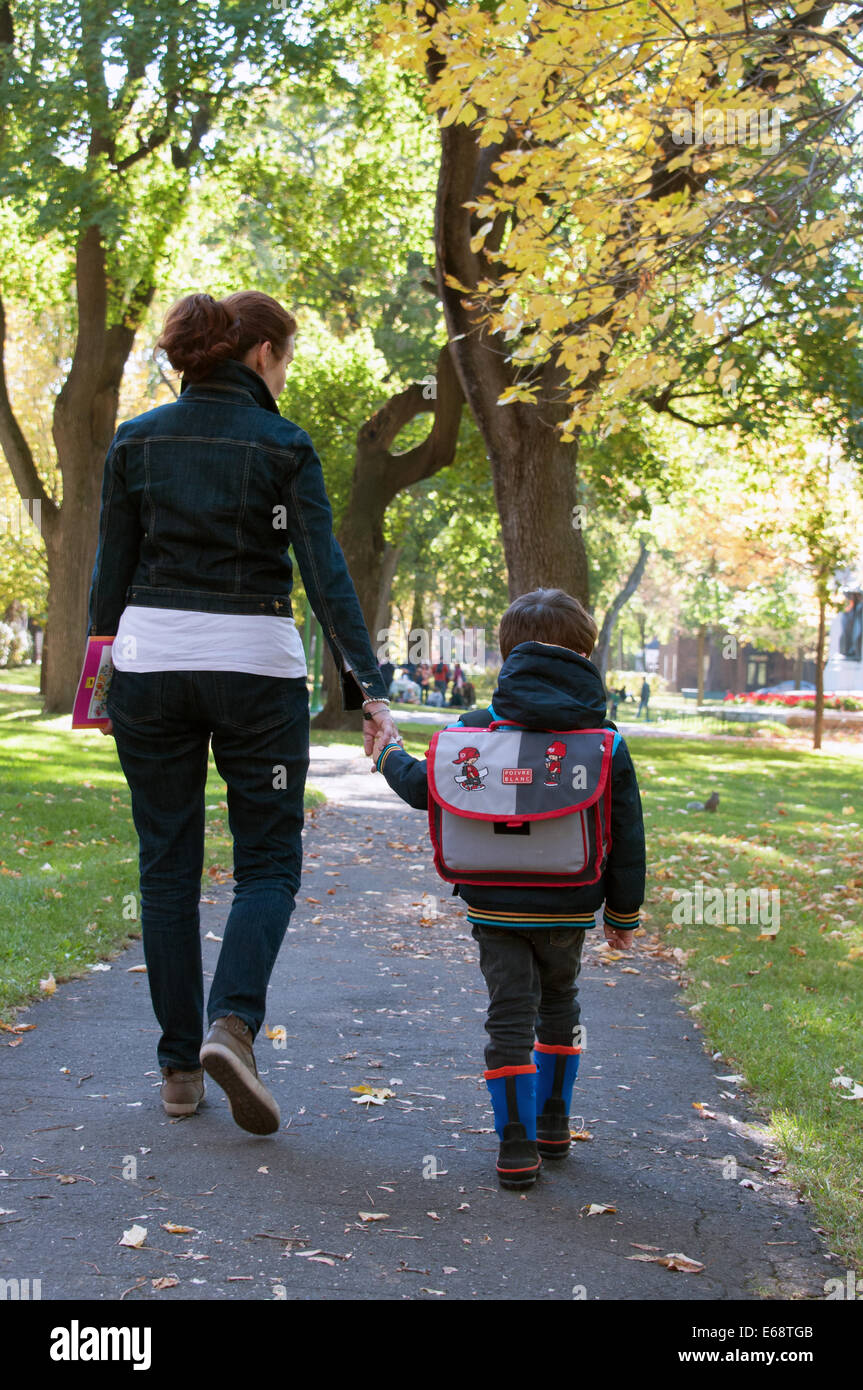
<point x="379" y="730"/>
<point x="381" y="741"/>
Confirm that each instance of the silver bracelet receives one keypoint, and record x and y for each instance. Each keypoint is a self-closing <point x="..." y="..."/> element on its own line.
<point x="376" y="701"/>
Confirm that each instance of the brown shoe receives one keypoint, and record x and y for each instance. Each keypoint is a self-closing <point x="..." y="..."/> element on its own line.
<point x="181" y="1091"/>
<point x="228" y="1058"/>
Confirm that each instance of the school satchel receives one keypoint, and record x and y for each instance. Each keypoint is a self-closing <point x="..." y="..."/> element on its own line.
<point x="520" y="807"/>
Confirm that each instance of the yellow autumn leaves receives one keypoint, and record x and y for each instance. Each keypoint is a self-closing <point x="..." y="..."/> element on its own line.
<point x="600" y="193"/>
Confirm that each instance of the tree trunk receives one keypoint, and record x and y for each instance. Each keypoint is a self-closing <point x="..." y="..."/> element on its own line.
<point x="533" y="470"/>
<point x="85" y="416"/>
<point x="609" y="622"/>
<point x="534" y="476"/>
<point x="699" y="657"/>
<point x="379" y="475"/>
<point x="819" y="672"/>
<point x="70" y="545"/>
<point x="389" y="565"/>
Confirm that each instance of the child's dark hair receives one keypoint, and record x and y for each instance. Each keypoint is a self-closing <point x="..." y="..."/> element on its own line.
<point x="547" y="615"/>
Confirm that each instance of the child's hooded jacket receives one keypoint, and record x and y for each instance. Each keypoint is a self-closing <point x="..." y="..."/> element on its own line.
<point x="547" y="687"/>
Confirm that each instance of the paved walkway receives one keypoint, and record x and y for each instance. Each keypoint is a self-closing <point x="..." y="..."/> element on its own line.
<point x="378" y="985"/>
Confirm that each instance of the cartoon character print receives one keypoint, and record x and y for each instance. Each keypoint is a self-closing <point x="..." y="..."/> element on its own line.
<point x="470" y="778"/>
<point x="553" y="754"/>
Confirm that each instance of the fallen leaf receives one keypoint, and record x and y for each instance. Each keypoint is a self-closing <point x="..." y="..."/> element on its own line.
<point x="854" y="1088"/>
<point x="374" y="1216"/>
<point x="135" y="1236"/>
<point x="167" y="1281"/>
<point x="372" y="1095"/>
<point x="211" y="936"/>
<point x="278" y="1032"/>
<point x="137" y="970"/>
<point x="439" y="1293"/>
<point x="48" y="986"/>
<point x="177" y="1230"/>
<point x="681" y="1262"/>
<point x="597" y="1209"/>
<point x="582" y="1134"/>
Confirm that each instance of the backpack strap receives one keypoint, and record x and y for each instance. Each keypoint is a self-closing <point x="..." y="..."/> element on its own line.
<point x="476" y="719"/>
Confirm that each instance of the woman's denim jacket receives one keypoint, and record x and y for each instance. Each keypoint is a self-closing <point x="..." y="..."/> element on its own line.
<point x="200" y="501"/>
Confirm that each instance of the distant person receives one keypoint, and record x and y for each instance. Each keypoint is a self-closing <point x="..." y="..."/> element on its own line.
<point x="424" y="681"/>
<point x="456" y="697"/>
<point x="644" y="702"/>
<point x="440" y="676"/>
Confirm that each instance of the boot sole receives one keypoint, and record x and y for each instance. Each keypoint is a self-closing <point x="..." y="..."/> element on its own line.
<point x="514" y="1184"/>
<point x="552" y="1148"/>
<point x="176" y="1110"/>
<point x="513" y="1178"/>
<point x="252" y="1106"/>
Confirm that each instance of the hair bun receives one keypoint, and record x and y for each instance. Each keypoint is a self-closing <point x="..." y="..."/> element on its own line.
<point x="199" y="333"/>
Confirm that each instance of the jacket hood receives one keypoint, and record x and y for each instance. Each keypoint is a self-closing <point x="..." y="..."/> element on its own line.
<point x="546" y="687"/>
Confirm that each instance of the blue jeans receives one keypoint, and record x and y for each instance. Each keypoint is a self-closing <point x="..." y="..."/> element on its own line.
<point x="163" y="722"/>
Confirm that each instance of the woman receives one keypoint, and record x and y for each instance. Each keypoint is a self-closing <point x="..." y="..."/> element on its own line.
<point x="200" y="501"/>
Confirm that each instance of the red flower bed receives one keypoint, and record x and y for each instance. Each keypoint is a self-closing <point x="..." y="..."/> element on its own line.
<point x="791" y="699"/>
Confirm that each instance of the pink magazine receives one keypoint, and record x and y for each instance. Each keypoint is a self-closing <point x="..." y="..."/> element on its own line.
<point x="89" y="711"/>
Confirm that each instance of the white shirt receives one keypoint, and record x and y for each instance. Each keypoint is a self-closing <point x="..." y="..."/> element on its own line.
<point x="184" y="639"/>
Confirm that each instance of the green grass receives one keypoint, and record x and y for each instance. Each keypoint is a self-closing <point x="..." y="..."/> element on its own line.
<point x="64" y="803"/>
<point x="21" y="675"/>
<point x="785" y="1011"/>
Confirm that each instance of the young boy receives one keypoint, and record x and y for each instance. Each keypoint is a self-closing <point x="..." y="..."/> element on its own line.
<point x="530" y="939"/>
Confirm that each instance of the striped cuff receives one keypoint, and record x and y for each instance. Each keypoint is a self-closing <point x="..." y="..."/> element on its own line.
<point x="384" y="754"/>
<point x="621" y="921"/>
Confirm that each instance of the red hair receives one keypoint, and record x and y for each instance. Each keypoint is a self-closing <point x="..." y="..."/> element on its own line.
<point x="200" y="332"/>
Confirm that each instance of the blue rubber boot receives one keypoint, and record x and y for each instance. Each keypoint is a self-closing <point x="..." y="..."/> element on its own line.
<point x="513" y="1096"/>
<point x="556" y="1070"/>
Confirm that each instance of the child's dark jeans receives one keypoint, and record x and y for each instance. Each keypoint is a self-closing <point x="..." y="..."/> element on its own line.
<point x="531" y="974"/>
